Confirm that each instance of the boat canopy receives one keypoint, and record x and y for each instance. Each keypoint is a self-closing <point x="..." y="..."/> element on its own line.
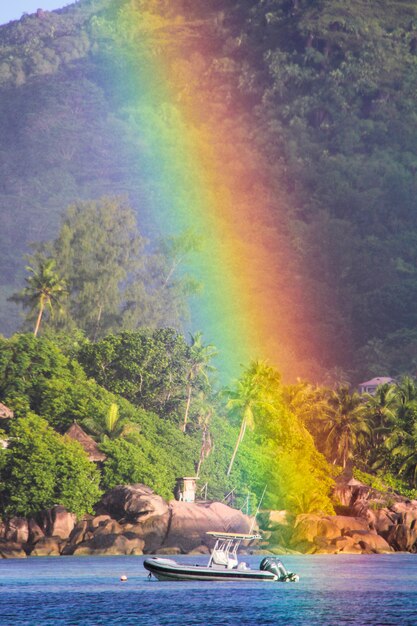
<point x="241" y="536"/>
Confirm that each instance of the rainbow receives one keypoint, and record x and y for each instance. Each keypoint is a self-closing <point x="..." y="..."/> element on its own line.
<point x="195" y="148"/>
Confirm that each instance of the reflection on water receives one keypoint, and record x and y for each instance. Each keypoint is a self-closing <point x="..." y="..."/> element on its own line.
<point x="333" y="591"/>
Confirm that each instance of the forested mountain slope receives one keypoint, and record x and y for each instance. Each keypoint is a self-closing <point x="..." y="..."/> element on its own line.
<point x="330" y="91"/>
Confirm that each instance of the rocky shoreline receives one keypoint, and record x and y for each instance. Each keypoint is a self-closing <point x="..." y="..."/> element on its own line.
<point x="133" y="520"/>
<point x="368" y="521"/>
<point x="129" y="520"/>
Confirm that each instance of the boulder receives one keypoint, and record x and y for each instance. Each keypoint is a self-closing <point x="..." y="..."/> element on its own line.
<point x="99" y="520"/>
<point x="200" y="550"/>
<point x="381" y="520"/>
<point x="305" y="528"/>
<point x="153" y="532"/>
<point x="370" y="541"/>
<point x="346" y="523"/>
<point x="35" y="531"/>
<point x="57" y="522"/>
<point x="340" y="543"/>
<point x="110" y="545"/>
<point x="406" y="512"/>
<point x="78" y="532"/>
<point x="107" y="527"/>
<point x="47" y="546"/>
<point x="279" y="517"/>
<point x="17" y="530"/>
<point x="327" y="529"/>
<point x="328" y="549"/>
<point x="11" y="550"/>
<point x="351" y="492"/>
<point x="402" y="538"/>
<point x="190" y="523"/>
<point x="351" y="549"/>
<point x="132" y="503"/>
<point x="169" y="551"/>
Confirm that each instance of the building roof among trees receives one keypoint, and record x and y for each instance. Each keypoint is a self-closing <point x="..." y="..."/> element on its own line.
<point x="5" y="412"/>
<point x="90" y="446"/>
<point x="379" y="380"/>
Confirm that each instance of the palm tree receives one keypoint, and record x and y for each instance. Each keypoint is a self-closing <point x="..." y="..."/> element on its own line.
<point x="344" y="425"/>
<point x="403" y="444"/>
<point x="200" y="357"/>
<point x="381" y="408"/>
<point x="204" y="415"/>
<point x="111" y="426"/>
<point x="406" y="394"/>
<point x="252" y="394"/>
<point x="44" y="289"/>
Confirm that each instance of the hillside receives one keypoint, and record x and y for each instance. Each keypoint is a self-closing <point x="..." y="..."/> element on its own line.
<point x="330" y="93"/>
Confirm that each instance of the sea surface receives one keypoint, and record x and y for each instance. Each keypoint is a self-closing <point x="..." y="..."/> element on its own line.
<point x="333" y="591"/>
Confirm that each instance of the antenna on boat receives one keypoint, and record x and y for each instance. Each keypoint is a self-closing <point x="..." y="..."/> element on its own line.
<point x="257" y="510"/>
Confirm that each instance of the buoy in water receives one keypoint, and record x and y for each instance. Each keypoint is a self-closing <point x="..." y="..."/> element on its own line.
<point x="123" y="578"/>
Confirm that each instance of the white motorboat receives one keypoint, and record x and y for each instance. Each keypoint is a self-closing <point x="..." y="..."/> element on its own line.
<point x="223" y="564"/>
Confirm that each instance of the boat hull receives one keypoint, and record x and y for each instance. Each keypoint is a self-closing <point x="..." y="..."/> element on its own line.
<point x="165" y="569"/>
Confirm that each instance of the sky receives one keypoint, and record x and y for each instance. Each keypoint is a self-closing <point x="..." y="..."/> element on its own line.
<point x="13" y="9"/>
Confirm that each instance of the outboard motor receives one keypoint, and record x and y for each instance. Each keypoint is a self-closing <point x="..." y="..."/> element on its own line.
<point x="274" y="565"/>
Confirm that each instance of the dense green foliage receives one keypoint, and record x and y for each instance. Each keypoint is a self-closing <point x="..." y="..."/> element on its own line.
<point x="135" y="410"/>
<point x="40" y="469"/>
<point x="330" y="89"/>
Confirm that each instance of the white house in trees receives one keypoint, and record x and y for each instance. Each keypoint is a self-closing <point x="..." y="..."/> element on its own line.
<point x="370" y="386"/>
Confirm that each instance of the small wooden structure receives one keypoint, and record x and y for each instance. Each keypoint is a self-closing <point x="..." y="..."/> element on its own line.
<point x="185" y="488"/>
<point x="5" y="412"/>
<point x="90" y="446"/>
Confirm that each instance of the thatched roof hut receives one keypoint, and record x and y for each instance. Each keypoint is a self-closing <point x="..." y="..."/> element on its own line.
<point x="90" y="446"/>
<point x="5" y="412"/>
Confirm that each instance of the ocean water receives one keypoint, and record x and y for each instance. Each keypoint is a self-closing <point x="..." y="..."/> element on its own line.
<point x="333" y="591"/>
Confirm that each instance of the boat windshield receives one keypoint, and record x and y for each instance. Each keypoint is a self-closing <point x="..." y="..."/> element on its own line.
<point x="224" y="553"/>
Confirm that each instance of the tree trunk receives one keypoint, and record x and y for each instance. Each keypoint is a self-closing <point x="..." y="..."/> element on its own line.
<point x="239" y="439"/>
<point x="187" y="408"/>
<point x="38" y="321"/>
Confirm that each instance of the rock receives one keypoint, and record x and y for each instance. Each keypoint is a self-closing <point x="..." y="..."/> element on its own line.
<point x="350" y="492"/>
<point x="346" y="523"/>
<point x="57" y="522"/>
<point x="169" y="551"/>
<point x="279" y="517"/>
<point x="153" y="532"/>
<point x="11" y="550"/>
<point x="99" y="520"/>
<point x="380" y="520"/>
<point x="328" y="529"/>
<point x="35" y="531"/>
<point x="133" y="503"/>
<point x="110" y="545"/>
<point x="190" y="523"/>
<point x="108" y="527"/>
<point x="370" y="541"/>
<point x="329" y="549"/>
<point x="17" y="530"/>
<point x="199" y="550"/>
<point x="305" y="528"/>
<point x="402" y="538"/>
<point x="406" y="512"/>
<point x="47" y="546"/>
<point x="321" y="530"/>
<point x="78" y="532"/>
<point x="340" y="543"/>
<point x="351" y="549"/>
